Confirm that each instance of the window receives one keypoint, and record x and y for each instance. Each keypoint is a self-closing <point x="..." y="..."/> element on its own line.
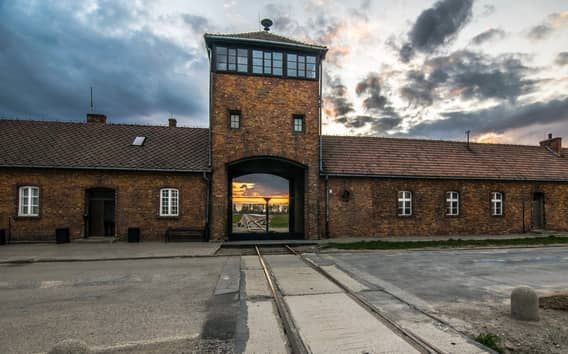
<point x="231" y="59"/>
<point x="139" y="141"/>
<point x="301" y="66"/>
<point x="169" y="202"/>
<point x="298" y="124"/>
<point x="235" y="119"/>
<point x="404" y="203"/>
<point x="29" y="201"/>
<point x="266" y="62"/>
<point x="496" y="203"/>
<point x="452" y="203"/>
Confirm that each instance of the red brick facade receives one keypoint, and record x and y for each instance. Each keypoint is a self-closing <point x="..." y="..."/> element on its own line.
<point x="371" y="208"/>
<point x="267" y="106"/>
<point x="62" y="201"/>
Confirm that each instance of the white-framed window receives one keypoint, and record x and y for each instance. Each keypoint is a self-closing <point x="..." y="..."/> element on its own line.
<point x="29" y="201"/>
<point x="452" y="203"/>
<point x="235" y="119"/>
<point x="169" y="202"/>
<point x="496" y="203"/>
<point x="298" y="124"/>
<point x="404" y="203"/>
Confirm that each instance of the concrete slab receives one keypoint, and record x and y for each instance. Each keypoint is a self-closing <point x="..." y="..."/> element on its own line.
<point x="229" y="280"/>
<point x="345" y="279"/>
<point x="434" y="332"/>
<point x="265" y="334"/>
<point x="256" y="285"/>
<point x="250" y="262"/>
<point x="294" y="277"/>
<point x="334" y="323"/>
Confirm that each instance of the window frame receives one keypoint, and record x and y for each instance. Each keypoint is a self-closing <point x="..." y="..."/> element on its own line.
<point x="404" y="199"/>
<point x="250" y="67"/>
<point x="494" y="202"/>
<point x="227" y="56"/>
<point x="170" y="204"/>
<point x="450" y="199"/>
<point x="233" y="113"/>
<point x="28" y="213"/>
<point x="300" y="117"/>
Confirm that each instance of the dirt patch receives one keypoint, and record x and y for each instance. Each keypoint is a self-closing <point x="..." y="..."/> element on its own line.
<point x="549" y="335"/>
<point x="555" y="302"/>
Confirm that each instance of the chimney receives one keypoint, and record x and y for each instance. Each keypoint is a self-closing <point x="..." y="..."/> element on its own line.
<point x="172" y="122"/>
<point x="554" y="144"/>
<point x="96" y="118"/>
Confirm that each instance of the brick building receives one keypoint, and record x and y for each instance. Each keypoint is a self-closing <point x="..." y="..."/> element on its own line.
<point x="99" y="179"/>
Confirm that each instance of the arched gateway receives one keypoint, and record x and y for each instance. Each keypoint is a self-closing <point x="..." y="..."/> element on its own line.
<point x="266" y="199"/>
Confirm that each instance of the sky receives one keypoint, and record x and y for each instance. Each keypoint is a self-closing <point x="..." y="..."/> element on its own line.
<point x="401" y="68"/>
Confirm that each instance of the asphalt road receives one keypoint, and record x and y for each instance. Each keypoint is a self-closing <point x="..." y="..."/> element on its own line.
<point x="106" y="304"/>
<point x="462" y="275"/>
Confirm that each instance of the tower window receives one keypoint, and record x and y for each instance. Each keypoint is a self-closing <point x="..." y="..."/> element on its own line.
<point x="235" y="119"/>
<point x="301" y="66"/>
<point x="298" y="124"/>
<point x="231" y="59"/>
<point x="267" y="62"/>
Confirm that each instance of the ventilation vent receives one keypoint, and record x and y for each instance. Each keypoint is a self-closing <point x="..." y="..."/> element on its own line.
<point x="139" y="141"/>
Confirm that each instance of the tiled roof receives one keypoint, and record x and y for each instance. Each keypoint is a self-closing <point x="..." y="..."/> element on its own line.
<point x="263" y="36"/>
<point x="440" y="159"/>
<point x="102" y="146"/>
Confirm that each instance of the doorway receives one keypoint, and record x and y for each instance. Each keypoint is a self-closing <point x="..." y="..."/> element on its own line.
<point x="538" y="210"/>
<point x="266" y="199"/>
<point x="100" y="215"/>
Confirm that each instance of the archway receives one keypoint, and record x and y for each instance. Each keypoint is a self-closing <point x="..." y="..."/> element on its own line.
<point x="266" y="199"/>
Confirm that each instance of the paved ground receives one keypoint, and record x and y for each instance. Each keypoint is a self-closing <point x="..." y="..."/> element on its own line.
<point x="462" y="275"/>
<point x="223" y="304"/>
<point x="105" y="251"/>
<point x="107" y="304"/>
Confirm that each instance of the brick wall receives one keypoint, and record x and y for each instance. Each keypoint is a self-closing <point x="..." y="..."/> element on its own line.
<point x="62" y="201"/>
<point x="267" y="105"/>
<point x="372" y="207"/>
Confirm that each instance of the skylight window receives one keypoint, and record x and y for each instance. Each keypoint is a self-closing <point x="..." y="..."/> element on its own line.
<point x="139" y="141"/>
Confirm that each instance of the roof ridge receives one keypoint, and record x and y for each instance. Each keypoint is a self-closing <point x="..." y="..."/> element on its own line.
<point x="242" y="35"/>
<point x="426" y="139"/>
<point x="49" y="121"/>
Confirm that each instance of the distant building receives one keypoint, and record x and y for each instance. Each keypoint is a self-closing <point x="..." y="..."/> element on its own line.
<point x="100" y="179"/>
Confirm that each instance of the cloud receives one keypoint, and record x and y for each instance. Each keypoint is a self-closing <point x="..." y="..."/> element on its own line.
<point x="437" y="26"/>
<point x="552" y="23"/>
<point x="488" y="10"/>
<point x="50" y="57"/>
<point x="379" y="125"/>
<point x="497" y="120"/>
<point x="198" y="24"/>
<point x="489" y="35"/>
<point x="336" y="100"/>
<point x="468" y="75"/>
<point x="371" y="88"/>
<point x="540" y="32"/>
<point x="562" y="58"/>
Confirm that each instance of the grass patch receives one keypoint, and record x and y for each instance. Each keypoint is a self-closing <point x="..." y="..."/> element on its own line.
<point x="395" y="245"/>
<point x="279" y="220"/>
<point x="490" y="340"/>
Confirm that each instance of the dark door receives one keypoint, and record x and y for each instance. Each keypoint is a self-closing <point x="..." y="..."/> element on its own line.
<point x="101" y="212"/>
<point x="538" y="210"/>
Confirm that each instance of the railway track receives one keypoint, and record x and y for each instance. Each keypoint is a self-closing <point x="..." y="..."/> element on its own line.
<point x="295" y="341"/>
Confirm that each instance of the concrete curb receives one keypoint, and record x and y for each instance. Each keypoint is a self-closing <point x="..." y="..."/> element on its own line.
<point x="70" y="260"/>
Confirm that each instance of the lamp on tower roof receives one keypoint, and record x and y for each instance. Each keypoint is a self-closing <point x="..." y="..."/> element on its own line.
<point x="266" y="23"/>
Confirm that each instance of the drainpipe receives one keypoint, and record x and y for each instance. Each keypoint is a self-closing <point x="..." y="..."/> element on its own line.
<point x="320" y="162"/>
<point x="207" y="205"/>
<point x="326" y="206"/>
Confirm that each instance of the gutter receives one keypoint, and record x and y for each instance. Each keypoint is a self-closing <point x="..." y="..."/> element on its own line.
<point x="275" y="43"/>
<point x="363" y="175"/>
<point x="129" y="169"/>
